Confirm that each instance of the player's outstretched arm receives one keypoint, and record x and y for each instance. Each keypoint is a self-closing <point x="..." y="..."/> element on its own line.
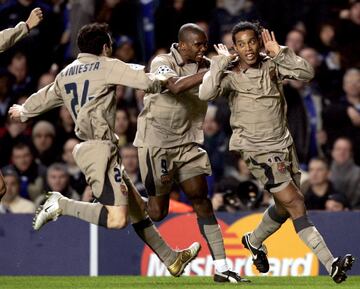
<point x="35" y="17"/>
<point x="10" y="36"/>
<point x="39" y="102"/>
<point x="213" y="82"/>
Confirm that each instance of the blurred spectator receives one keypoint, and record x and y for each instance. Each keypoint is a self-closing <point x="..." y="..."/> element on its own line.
<point x="126" y="97"/>
<point x="47" y="77"/>
<point x="124" y="49"/>
<point x="319" y="187"/>
<point x="272" y="13"/>
<point x="32" y="175"/>
<point x="295" y="40"/>
<point x="169" y="16"/>
<point x="327" y="47"/>
<point x="352" y="91"/>
<point x="82" y="12"/>
<point x="12" y="202"/>
<point x="230" y="195"/>
<point x="222" y="199"/>
<point x="305" y="103"/>
<point x="348" y="43"/>
<point x="343" y="118"/>
<point x="327" y="80"/>
<point x="215" y="142"/>
<point x="58" y="179"/>
<point x="77" y="178"/>
<point x="65" y="127"/>
<point x="336" y="203"/>
<point x="18" y="67"/>
<point x="344" y="173"/>
<point x="130" y="161"/>
<point x="227" y="14"/>
<point x="123" y="17"/>
<point x="43" y="137"/>
<point x="15" y="132"/>
<point x="227" y="41"/>
<point x="6" y="97"/>
<point x="123" y="128"/>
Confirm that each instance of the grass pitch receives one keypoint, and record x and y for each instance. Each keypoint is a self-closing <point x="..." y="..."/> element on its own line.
<point x="124" y="282"/>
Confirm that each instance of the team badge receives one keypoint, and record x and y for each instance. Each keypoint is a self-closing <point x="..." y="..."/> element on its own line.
<point x="281" y="167"/>
<point x="163" y="69"/>
<point x="165" y="179"/>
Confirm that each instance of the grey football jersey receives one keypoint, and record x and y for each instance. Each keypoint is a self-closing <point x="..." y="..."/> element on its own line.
<point x="10" y="36"/>
<point x="87" y="88"/>
<point x="169" y="120"/>
<point x="256" y="99"/>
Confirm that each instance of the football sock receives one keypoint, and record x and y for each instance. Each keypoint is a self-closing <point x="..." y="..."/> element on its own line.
<point x="94" y="213"/>
<point x="145" y="228"/>
<point x="147" y="231"/>
<point x="210" y="230"/>
<point x="270" y="223"/>
<point x="312" y="238"/>
<point x="221" y="265"/>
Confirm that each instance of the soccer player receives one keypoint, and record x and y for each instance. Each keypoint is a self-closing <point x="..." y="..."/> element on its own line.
<point x="253" y="85"/>
<point x="8" y="38"/>
<point x="87" y="88"/>
<point x="168" y="136"/>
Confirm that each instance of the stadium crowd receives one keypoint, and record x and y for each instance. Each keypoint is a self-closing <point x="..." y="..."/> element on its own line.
<point x="323" y="115"/>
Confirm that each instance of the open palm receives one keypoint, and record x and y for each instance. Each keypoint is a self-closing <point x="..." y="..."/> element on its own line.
<point x="221" y="49"/>
<point x="271" y="46"/>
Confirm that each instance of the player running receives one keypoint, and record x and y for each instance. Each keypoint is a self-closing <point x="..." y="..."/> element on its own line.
<point x="168" y="136"/>
<point x="254" y="88"/>
<point x="87" y="88"/>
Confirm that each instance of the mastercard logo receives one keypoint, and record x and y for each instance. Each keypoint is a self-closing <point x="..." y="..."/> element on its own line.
<point x="288" y="255"/>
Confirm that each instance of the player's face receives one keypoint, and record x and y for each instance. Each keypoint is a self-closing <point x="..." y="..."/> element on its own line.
<point x="194" y="48"/>
<point x="247" y="45"/>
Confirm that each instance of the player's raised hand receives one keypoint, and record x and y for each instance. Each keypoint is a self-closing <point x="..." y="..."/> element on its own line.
<point x="15" y="112"/>
<point x="221" y="49"/>
<point x="35" y="17"/>
<point x="271" y="46"/>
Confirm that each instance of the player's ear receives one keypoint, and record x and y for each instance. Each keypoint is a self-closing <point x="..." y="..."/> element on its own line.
<point x="181" y="45"/>
<point x="107" y="51"/>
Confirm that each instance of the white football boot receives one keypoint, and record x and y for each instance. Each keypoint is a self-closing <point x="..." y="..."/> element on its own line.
<point x="49" y="211"/>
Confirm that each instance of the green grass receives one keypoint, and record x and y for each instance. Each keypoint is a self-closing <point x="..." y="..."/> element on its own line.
<point x="123" y="282"/>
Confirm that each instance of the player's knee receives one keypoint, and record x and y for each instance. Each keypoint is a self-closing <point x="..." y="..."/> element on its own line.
<point x="157" y="212"/>
<point x="293" y="202"/>
<point x="157" y="215"/>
